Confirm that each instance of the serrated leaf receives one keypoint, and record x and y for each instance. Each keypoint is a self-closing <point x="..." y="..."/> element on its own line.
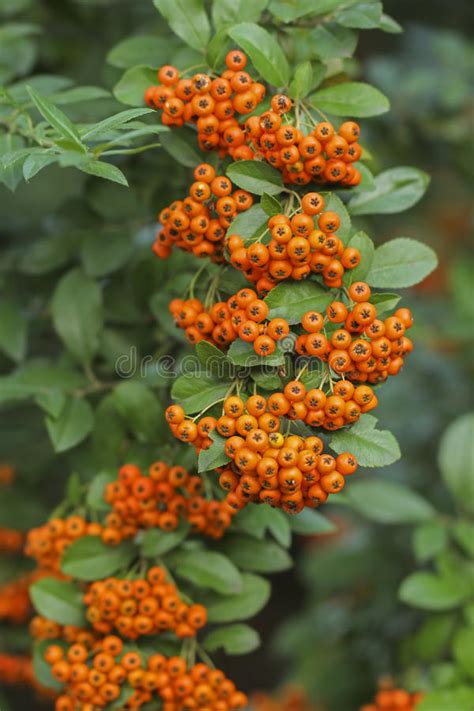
<point x="187" y="19"/>
<point x="395" y="190"/>
<point x="400" y="263"/>
<point x="233" y="639"/>
<point x="58" y="600"/>
<point x="264" y="51"/>
<point x="351" y="99"/>
<point x="88" y="558"/>
<point x="388" y="502"/>
<point x="255" y="176"/>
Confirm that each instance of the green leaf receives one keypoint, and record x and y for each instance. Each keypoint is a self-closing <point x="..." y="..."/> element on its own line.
<point x="400" y="263"/>
<point x="114" y="122"/>
<point x="131" y="87"/>
<point x="100" y="169"/>
<point x="463" y="649"/>
<point x="253" y="596"/>
<point x="460" y="698"/>
<point x="429" y="539"/>
<point x="89" y="558"/>
<point x="52" y="401"/>
<point x="56" y="118"/>
<point x="270" y="204"/>
<point x="233" y="639"/>
<point x="388" y="502"/>
<point x="207" y="569"/>
<point x="11" y="147"/>
<point x="289" y="10"/>
<point x="156" y="542"/>
<point x="77" y="313"/>
<point x="229" y="12"/>
<point x="41" y="669"/>
<point x="371" y="447"/>
<point x="96" y="491"/>
<point x="212" y="358"/>
<point x="249" y="224"/>
<point x="141" y="49"/>
<point x="264" y="51"/>
<point x="140" y="409"/>
<point x="302" y="82"/>
<point x="463" y="532"/>
<point x="80" y="94"/>
<point x="256" y="176"/>
<point x="385" y="302"/>
<point x="187" y="19"/>
<point x="366" y="247"/>
<point x="431" y="639"/>
<point x="252" y="554"/>
<point x="196" y="391"/>
<point x="351" y="99"/>
<point x="36" y="162"/>
<point x="243" y="354"/>
<point x="58" y="600"/>
<point x="456" y="460"/>
<point x="13" y="330"/>
<point x="395" y="190"/>
<point x="213" y="457"/>
<point x="363" y="16"/>
<point x="105" y="253"/>
<point x="180" y="144"/>
<point x="432" y="592"/>
<point x="311" y="523"/>
<point x="256" y="520"/>
<point x="291" y="300"/>
<point x="332" y="41"/>
<point x="72" y="425"/>
<point x="388" y="24"/>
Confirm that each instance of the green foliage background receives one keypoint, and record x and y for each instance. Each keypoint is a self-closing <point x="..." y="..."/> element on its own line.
<point x="76" y="250"/>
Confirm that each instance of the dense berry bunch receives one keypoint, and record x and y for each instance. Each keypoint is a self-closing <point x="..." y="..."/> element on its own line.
<point x="392" y="699"/>
<point x="160" y="498"/>
<point x="243" y="316"/>
<point x="199" y="223"/>
<point x="322" y="155"/>
<point x="302" y="244"/>
<point x="95" y="677"/>
<point x="141" y="607"/>
<point x="11" y="540"/>
<point x="211" y="102"/>
<point x="41" y="628"/>
<point x="15" y="605"/>
<point x="47" y="543"/>
<point x="364" y="348"/>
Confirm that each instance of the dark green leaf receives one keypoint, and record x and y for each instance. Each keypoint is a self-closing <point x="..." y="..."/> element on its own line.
<point x="52" y="401"/>
<point x="270" y="204"/>
<point x="58" y="600"/>
<point x="429" y="539"/>
<point x="264" y="51"/>
<point x="156" y="543"/>
<point x="249" y="224"/>
<point x="228" y="12"/>
<point x="96" y="491"/>
<point x="180" y="144"/>
<point x="13" y="330"/>
<point x="131" y="87"/>
<point x="233" y="639"/>
<point x="302" y="82"/>
<point x="463" y="532"/>
<point x="366" y="247"/>
<point x="107" y="171"/>
<point x="395" y="190"/>
<point x="388" y="502"/>
<point x="187" y="19"/>
<point x="56" y="118"/>
<point x="207" y="569"/>
<point x="311" y="523"/>
<point x="291" y="300"/>
<point x="372" y="447"/>
<point x="351" y="99"/>
<point x="141" y="49"/>
<point x="89" y="558"/>
<point x="388" y="24"/>
<point x="140" y="409"/>
<point x="72" y="425"/>
<point x="401" y="262"/>
<point x="42" y="670"/>
<point x="255" y="176"/>
<point x="251" y="599"/>
<point x="103" y="253"/>
<point x="196" y="391"/>
<point x="243" y="354"/>
<point x="385" y="302"/>
<point x="255" y="555"/>
<point x="463" y="649"/>
<point x="214" y="456"/>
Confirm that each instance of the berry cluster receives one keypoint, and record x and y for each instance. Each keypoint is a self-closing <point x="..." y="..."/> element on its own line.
<point x="365" y="348"/>
<point x="15" y="605"/>
<point x="297" y="248"/>
<point x="94" y="677"/>
<point x="210" y="103"/>
<point x="11" y="540"/>
<point x="41" y="628"/>
<point x="47" y="543"/>
<point x="324" y="155"/>
<point x="243" y="316"/>
<point x="199" y="223"/>
<point x="141" y="607"/>
<point x="16" y="669"/>
<point x="159" y="499"/>
<point x="393" y="699"/>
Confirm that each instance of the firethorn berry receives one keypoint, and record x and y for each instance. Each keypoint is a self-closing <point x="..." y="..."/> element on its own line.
<point x="390" y="697"/>
<point x="192" y="224"/>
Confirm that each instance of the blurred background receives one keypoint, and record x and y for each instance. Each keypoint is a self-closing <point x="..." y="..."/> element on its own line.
<point x="333" y="625"/>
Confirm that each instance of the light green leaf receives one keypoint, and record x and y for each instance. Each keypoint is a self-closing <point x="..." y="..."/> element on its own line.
<point x="456" y="460"/>
<point x="142" y="49"/>
<point x="249" y="224"/>
<point x="350" y="99"/>
<point x="73" y="424"/>
<point x="388" y="24"/>
<point x="334" y="203"/>
<point x="196" y="391"/>
<point x="103" y="170"/>
<point x="463" y="649"/>
<point x="253" y="596"/>
<point x="56" y="118"/>
<point x="243" y="354"/>
<point x="255" y="555"/>
<point x="114" y="122"/>
<point x="362" y="16"/>
<point x="58" y="600"/>
<point x="229" y="12"/>
<point x="181" y="145"/>
<point x="156" y="542"/>
<point x="187" y="19"/>
<point x="460" y="698"/>
<point x="89" y="558"/>
<point x="207" y="569"/>
<point x="429" y="539"/>
<point x="77" y="314"/>
<point x="310" y="522"/>
<point x="302" y="82"/>
<point x="96" y="491"/>
<point x="388" y="502"/>
<point x="385" y="302"/>
<point x="79" y="94"/>
<point x="332" y="41"/>
<point x="36" y="162"/>
<point x="289" y="10"/>
<point x="255" y="176"/>
<point x="291" y="300"/>
<point x="213" y="457"/>
<point x="432" y="592"/>
<point x="233" y="639"/>
<point x="400" y="263"/>
<point x="264" y="51"/>
<point x="51" y="401"/>
<point x="131" y="87"/>
<point x="395" y="190"/>
<point x="13" y="330"/>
